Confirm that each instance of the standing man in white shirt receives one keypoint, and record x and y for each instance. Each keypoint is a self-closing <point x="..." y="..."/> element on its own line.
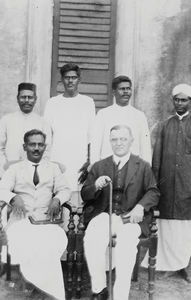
<point x="71" y="116"/>
<point x="121" y="112"/>
<point x="14" y="125"/>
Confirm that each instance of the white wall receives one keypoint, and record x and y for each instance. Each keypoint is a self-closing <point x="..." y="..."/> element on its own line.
<point x="26" y="45"/>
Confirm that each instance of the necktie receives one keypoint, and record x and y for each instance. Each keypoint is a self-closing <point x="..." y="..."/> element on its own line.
<point x="118" y="165"/>
<point x="35" y="176"/>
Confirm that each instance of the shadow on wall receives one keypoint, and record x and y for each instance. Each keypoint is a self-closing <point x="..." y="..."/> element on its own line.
<point x="175" y="62"/>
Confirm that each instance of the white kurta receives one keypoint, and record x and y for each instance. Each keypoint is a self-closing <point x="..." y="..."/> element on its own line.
<point x="12" y="129"/>
<point x="37" y="248"/>
<point x="117" y="115"/>
<point x="71" y="120"/>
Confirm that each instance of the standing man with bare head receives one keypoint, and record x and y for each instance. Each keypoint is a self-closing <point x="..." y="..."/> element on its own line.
<point x="121" y="112"/>
<point x="71" y="116"/>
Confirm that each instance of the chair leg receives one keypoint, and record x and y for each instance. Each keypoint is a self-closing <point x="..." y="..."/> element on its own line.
<point x="79" y="255"/>
<point x="152" y="260"/>
<point x="8" y="267"/>
<point x="136" y="266"/>
<point x="70" y="254"/>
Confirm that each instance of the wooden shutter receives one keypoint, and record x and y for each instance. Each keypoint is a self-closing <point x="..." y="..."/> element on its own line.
<point x="84" y="33"/>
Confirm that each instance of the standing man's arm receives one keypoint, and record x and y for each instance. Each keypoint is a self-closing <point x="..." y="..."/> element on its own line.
<point x="7" y="185"/>
<point x="97" y="138"/>
<point x="49" y="134"/>
<point x="145" y="142"/>
<point x="157" y="152"/>
<point x="91" y="119"/>
<point x="3" y="140"/>
<point x="91" y="122"/>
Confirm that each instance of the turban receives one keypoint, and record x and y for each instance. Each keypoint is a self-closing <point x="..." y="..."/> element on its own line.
<point x="182" y="88"/>
<point x="27" y="86"/>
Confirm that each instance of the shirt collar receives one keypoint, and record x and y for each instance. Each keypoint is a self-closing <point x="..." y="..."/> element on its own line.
<point x="123" y="160"/>
<point x="182" y="116"/>
<point x="119" y="107"/>
<point x="32" y="164"/>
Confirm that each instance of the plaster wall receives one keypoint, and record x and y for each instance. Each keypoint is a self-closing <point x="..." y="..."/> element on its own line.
<point x="153" y="44"/>
<point x="26" y="45"/>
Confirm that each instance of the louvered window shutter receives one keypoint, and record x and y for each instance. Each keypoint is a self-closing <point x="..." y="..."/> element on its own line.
<point x="84" y="33"/>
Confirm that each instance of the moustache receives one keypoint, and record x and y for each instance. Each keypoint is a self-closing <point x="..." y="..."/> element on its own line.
<point x="36" y="152"/>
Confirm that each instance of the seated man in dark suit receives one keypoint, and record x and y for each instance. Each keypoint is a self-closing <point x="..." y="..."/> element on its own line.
<point x="134" y="193"/>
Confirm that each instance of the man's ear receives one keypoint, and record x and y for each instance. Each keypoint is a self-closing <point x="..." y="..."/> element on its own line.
<point x="24" y="147"/>
<point x="79" y="79"/>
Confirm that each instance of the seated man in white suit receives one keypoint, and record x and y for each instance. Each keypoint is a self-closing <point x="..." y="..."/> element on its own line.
<point x="36" y="187"/>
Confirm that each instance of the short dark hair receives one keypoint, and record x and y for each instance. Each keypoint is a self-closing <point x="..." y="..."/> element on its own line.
<point x="117" y="80"/>
<point x="70" y="67"/>
<point x="33" y="132"/>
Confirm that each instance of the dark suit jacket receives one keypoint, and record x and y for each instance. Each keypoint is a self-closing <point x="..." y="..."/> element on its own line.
<point x="140" y="187"/>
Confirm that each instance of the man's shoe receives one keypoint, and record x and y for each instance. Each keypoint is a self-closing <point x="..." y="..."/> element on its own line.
<point x="103" y="295"/>
<point x="184" y="274"/>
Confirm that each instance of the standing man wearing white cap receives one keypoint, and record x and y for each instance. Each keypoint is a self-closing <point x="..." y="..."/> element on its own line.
<point x="172" y="168"/>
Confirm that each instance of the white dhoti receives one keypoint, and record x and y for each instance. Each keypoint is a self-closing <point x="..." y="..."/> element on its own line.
<point x="174" y="245"/>
<point x="37" y="249"/>
<point x="96" y="242"/>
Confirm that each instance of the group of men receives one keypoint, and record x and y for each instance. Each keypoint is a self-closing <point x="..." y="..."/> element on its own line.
<point x="115" y="147"/>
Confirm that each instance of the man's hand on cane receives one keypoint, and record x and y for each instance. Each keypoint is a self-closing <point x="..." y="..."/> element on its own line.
<point x="102" y="182"/>
<point x="135" y="215"/>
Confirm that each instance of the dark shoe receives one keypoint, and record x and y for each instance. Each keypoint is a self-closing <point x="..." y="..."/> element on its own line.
<point x="184" y="274"/>
<point x="103" y="295"/>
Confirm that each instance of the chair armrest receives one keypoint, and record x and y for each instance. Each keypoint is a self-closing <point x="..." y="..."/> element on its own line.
<point x="58" y="220"/>
<point x="71" y="208"/>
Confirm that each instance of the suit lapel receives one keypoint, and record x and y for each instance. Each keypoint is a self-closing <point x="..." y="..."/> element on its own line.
<point x="109" y="167"/>
<point x="133" y="164"/>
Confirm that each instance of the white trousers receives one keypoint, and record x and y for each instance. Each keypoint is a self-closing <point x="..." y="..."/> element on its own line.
<point x="96" y="241"/>
<point x="37" y="249"/>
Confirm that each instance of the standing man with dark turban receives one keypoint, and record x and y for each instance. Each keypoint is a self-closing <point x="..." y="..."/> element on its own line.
<point x="172" y="168"/>
<point x="14" y="125"/>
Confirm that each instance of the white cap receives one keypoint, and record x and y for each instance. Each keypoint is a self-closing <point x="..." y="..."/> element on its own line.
<point x="182" y="88"/>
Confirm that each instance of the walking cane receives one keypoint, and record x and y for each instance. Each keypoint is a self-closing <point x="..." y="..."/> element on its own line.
<point x="110" y="241"/>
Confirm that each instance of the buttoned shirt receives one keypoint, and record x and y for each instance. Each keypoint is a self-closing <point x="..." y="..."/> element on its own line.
<point x="13" y="126"/>
<point x="71" y="120"/>
<point x="121" y="161"/>
<point x="127" y="115"/>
